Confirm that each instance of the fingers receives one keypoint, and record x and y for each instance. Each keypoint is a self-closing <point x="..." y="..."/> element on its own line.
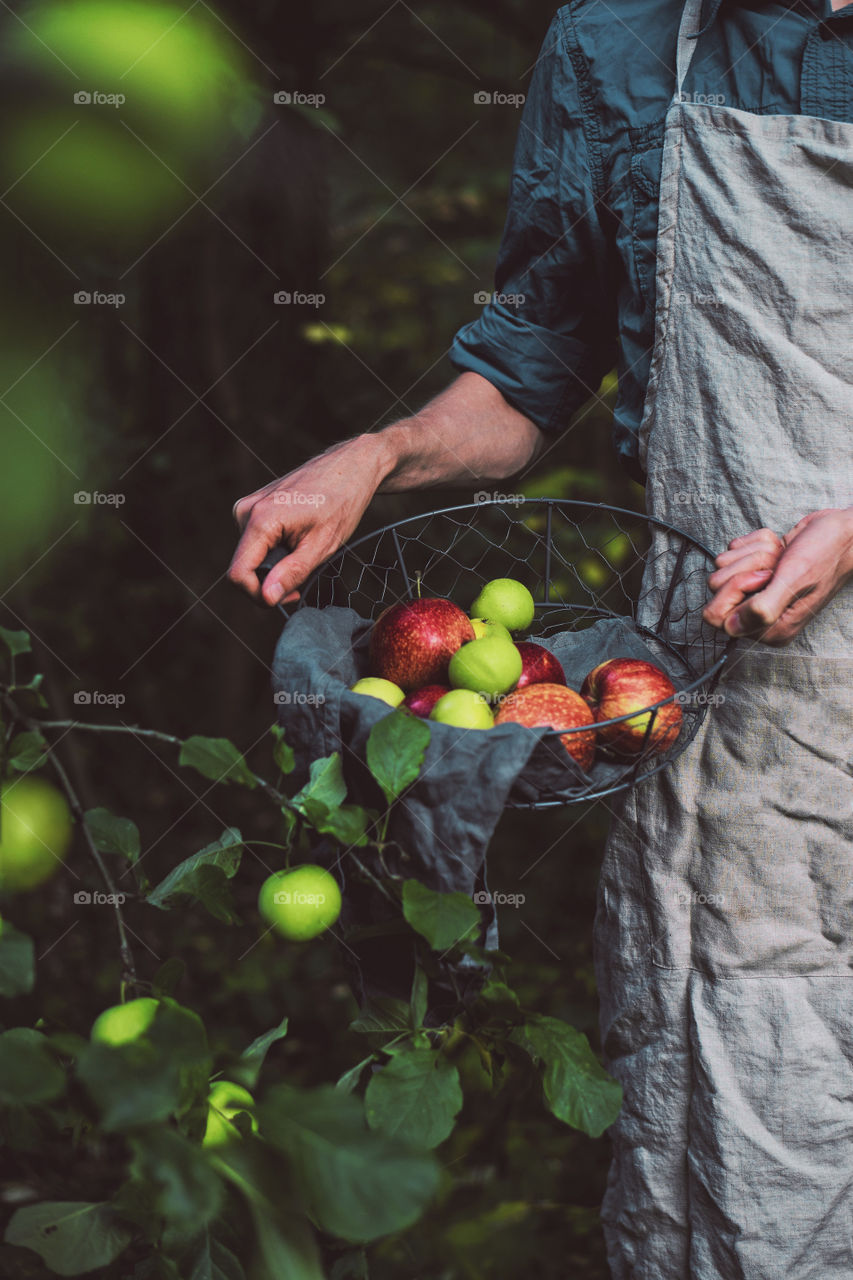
<point x="282" y="580"/>
<point x="763" y="541"/>
<point x="733" y="593"/>
<point x="251" y="550"/>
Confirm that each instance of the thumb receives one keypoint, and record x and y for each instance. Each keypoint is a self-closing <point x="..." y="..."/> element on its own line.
<point x="291" y="572"/>
<point x="760" y="611"/>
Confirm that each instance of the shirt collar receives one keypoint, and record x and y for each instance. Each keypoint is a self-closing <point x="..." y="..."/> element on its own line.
<point x="711" y="8"/>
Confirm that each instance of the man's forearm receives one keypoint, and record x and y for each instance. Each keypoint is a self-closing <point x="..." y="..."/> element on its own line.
<point x="466" y="435"/>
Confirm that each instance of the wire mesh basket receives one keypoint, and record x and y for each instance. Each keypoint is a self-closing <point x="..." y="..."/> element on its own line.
<point x="583" y="562"/>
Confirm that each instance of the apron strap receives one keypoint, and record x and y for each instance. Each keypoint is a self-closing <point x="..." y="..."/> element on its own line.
<point x="690" y="21"/>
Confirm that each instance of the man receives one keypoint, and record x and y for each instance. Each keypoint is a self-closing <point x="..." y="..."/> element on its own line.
<point x="681" y="204"/>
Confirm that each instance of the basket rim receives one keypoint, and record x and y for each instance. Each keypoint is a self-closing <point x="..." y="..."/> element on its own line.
<point x="494" y="502"/>
<point x="709" y="677"/>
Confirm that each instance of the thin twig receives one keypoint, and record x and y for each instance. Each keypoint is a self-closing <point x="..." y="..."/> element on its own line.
<point x="135" y="732"/>
<point x="129" y="977"/>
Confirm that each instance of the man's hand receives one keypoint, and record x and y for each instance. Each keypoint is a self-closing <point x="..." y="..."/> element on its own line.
<point x="313" y="509"/>
<point x="465" y="435"/>
<point x="769" y="587"/>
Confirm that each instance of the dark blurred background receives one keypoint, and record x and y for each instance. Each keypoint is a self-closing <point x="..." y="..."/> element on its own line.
<point x="180" y="385"/>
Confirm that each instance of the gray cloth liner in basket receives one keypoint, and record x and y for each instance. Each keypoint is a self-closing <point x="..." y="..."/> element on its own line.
<point x="446" y="819"/>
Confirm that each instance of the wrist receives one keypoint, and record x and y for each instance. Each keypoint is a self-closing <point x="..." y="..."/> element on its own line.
<point x="390" y="448"/>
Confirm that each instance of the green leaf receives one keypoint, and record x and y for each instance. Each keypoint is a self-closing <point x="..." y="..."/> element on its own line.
<point x="349" y="1080"/>
<point x="348" y="824"/>
<point x="161" y="1074"/>
<point x="418" y="998"/>
<point x="577" y="1088"/>
<point x="288" y="1250"/>
<point x="395" y="751"/>
<point x="187" y="1192"/>
<point x="416" y="1096"/>
<point x="33" y="688"/>
<point x="192" y="878"/>
<point x="17" y="961"/>
<point x="286" y="1246"/>
<point x="71" y="1236"/>
<point x="27" y="751"/>
<point x="247" y="1070"/>
<point x="217" y="759"/>
<point x="282" y="754"/>
<point x="385" y="1013"/>
<point x="15" y="641"/>
<point x="442" y="918"/>
<point x="212" y="1261"/>
<point x="325" y="787"/>
<point x="113" y="835"/>
<point x="356" y="1184"/>
<point x="29" y="1074"/>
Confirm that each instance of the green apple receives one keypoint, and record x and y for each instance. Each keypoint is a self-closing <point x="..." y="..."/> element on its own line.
<point x="463" y="708"/>
<point x="35" y="832"/>
<point x="486" y="627"/>
<point x="300" y="903"/>
<point x="125" y="1022"/>
<point x="376" y="687"/>
<point x="224" y="1101"/>
<point x="507" y="601"/>
<point x="490" y="666"/>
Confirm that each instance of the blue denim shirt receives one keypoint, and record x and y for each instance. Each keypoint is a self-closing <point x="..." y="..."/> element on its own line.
<point x="575" y="276"/>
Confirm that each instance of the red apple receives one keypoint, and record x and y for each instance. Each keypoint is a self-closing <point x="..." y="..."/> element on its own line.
<point x="556" y="706"/>
<point x="538" y="665"/>
<point x="622" y="686"/>
<point x="412" y="643"/>
<point x="422" y="701"/>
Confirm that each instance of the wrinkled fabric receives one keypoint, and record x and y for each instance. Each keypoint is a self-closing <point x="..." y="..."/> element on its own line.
<point x="446" y="819"/>
<point x="724" y="923"/>
<point x="575" y="276"/>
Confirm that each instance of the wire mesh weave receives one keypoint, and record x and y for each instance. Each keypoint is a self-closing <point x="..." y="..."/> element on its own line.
<point x="582" y="562"/>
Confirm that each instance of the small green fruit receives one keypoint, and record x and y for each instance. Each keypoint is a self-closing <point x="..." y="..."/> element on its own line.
<point x="486" y="627"/>
<point x="35" y="832"/>
<point x="490" y="666"/>
<point x="224" y="1101"/>
<point x="376" y="687"/>
<point x="463" y="708"/>
<point x="507" y="601"/>
<point x="300" y="903"/>
<point x="124" y="1022"/>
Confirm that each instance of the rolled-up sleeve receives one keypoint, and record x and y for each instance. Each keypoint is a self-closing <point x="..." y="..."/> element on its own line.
<point x="548" y="335"/>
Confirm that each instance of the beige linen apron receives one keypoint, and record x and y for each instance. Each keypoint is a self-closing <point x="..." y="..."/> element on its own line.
<point x="724" y="926"/>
